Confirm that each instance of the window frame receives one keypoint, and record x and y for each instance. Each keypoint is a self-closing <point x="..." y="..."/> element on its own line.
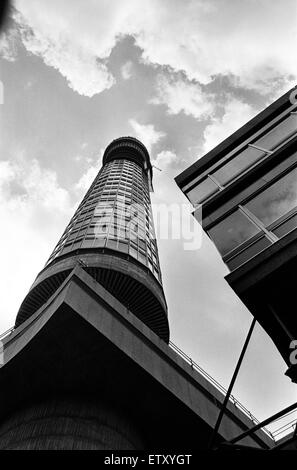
<point x="231" y="155"/>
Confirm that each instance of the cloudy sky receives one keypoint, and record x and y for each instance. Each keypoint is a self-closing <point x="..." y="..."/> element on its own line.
<point x="180" y="75"/>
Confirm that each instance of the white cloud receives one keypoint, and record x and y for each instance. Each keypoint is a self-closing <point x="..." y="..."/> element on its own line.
<point x="146" y="133"/>
<point x="236" y="113"/>
<point x="87" y="179"/>
<point x="28" y="190"/>
<point x="223" y="37"/>
<point x="33" y="209"/>
<point x="84" y="73"/>
<point x="126" y="70"/>
<point x="181" y="95"/>
<point x="164" y="159"/>
<point x="8" y="49"/>
<point x="6" y="175"/>
<point x="266" y="82"/>
<point x="252" y="41"/>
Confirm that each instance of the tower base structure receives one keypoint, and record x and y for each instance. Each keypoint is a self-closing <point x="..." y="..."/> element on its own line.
<point x="83" y="372"/>
<point x="72" y="423"/>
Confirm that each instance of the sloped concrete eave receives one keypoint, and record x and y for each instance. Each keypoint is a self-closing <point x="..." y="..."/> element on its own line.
<point x="84" y="341"/>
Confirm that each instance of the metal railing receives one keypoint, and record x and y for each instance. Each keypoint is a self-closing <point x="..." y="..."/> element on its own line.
<point x="219" y="387"/>
<point x="285" y="428"/>
<point x="6" y="333"/>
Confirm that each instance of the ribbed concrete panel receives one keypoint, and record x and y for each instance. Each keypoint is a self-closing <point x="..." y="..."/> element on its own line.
<point x="69" y="424"/>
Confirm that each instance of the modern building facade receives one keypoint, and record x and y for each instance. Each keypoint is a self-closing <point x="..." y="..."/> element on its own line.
<point x="88" y="364"/>
<point x="247" y="187"/>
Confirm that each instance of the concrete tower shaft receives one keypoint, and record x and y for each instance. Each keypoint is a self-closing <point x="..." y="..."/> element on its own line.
<point x="112" y="235"/>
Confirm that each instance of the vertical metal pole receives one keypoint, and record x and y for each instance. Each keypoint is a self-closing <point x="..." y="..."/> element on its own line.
<point x="234" y="377"/>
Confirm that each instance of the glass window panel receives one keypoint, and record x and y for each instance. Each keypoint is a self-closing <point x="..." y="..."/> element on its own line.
<point x="141" y="258"/>
<point x="122" y="234"/>
<point x="276" y="200"/>
<point x="66" y="249"/>
<point x="279" y="134"/>
<point x="71" y="236"/>
<point x="76" y="245"/>
<point x="237" y="165"/>
<point x="150" y="265"/>
<point x="286" y="227"/>
<point x="203" y="190"/>
<point x="98" y="234"/>
<point x="112" y="244"/>
<point x="122" y="246"/>
<point x="248" y="253"/>
<point x="142" y="244"/>
<point x="134" y="242"/>
<point x="99" y="242"/>
<point x="232" y="231"/>
<point x="141" y="234"/>
<point x="132" y="252"/>
<point x="68" y="243"/>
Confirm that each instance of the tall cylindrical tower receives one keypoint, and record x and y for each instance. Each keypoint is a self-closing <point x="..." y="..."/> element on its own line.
<point x="112" y="235"/>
